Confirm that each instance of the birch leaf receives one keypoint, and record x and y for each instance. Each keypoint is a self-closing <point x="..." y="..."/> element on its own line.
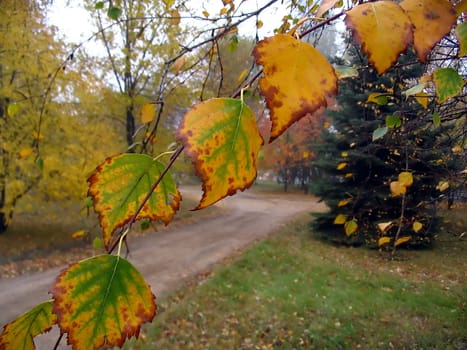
<point x="222" y="139"/>
<point x="102" y="301"/>
<point x="432" y="19"/>
<point x="383" y="29"/>
<point x="297" y="80"/>
<point x="19" y="334"/>
<point x="119" y="185"/>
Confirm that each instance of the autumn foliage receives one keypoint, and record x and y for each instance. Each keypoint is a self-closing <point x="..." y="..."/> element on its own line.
<point x="104" y="300"/>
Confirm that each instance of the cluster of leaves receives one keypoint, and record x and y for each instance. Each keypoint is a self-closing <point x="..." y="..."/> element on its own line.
<point x="103" y="300"/>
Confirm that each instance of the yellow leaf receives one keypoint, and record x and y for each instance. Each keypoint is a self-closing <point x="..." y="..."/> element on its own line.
<point x="325" y="6"/>
<point x="384" y="226"/>
<point x="206" y="14"/>
<point x="306" y="155"/>
<point x="384" y="240"/>
<point x="432" y="19"/>
<point x="344" y="154"/>
<point x="242" y="75"/>
<point x="417" y="226"/>
<point x="78" y="234"/>
<point x="456" y="149"/>
<point x="223" y="11"/>
<point x="461" y="7"/>
<point x="37" y="136"/>
<point x="341" y="166"/>
<point x="426" y="78"/>
<point x="350" y="227"/>
<point x="297" y="80"/>
<point x="178" y="64"/>
<point x="402" y="240"/>
<point x="175" y="17"/>
<point x="326" y="125"/>
<point x="422" y="98"/>
<point x="343" y="202"/>
<point x="25" y="152"/>
<point x="221" y="137"/>
<point x="12" y="109"/>
<point x="383" y="29"/>
<point x="397" y="189"/>
<point x="348" y="175"/>
<point x="405" y="178"/>
<point x="442" y="186"/>
<point x="259" y="24"/>
<point x="340" y="219"/>
<point x="148" y="113"/>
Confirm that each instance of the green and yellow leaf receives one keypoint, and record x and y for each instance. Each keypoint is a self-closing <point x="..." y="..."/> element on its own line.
<point x="119" y="185"/>
<point x="432" y="19"/>
<point x="383" y="29"/>
<point x="461" y="32"/>
<point x="148" y="113"/>
<point x="351" y="227"/>
<point x="102" y="300"/>
<point x="378" y="98"/>
<point x="297" y="80"/>
<point x="345" y="71"/>
<point x="222" y="139"/>
<point x="401" y="240"/>
<point x="384" y="240"/>
<point x="448" y="83"/>
<point x="340" y="219"/>
<point x="19" y="334"/>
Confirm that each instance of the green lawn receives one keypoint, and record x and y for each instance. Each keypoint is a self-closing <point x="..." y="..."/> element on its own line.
<point x="293" y="292"/>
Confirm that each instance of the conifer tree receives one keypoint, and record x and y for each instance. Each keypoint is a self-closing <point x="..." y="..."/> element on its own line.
<point x="358" y="165"/>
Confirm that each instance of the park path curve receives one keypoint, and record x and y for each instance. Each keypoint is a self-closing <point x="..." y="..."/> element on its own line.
<point x="172" y="256"/>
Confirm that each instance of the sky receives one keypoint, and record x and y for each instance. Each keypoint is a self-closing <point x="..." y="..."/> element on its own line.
<point x="75" y="23"/>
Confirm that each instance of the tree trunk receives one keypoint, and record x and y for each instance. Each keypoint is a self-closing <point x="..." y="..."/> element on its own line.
<point x="3" y="223"/>
<point x="130" y="125"/>
<point x="3" y="216"/>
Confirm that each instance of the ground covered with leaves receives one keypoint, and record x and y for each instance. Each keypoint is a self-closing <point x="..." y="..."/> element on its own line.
<point x="293" y="292"/>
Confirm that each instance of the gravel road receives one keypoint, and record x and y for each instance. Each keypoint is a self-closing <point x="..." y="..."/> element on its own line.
<point x="170" y="257"/>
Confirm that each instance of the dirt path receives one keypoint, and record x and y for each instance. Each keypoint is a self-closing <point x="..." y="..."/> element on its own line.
<point x="168" y="258"/>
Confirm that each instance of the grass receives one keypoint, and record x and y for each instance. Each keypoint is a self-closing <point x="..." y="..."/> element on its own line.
<point x="293" y="292"/>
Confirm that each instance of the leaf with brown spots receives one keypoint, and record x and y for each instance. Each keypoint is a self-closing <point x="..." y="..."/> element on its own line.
<point x="102" y="301"/>
<point x="432" y="20"/>
<point x="222" y="138"/>
<point x="19" y="334"/>
<point x="119" y="185"/>
<point x="297" y="80"/>
<point x="383" y="29"/>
